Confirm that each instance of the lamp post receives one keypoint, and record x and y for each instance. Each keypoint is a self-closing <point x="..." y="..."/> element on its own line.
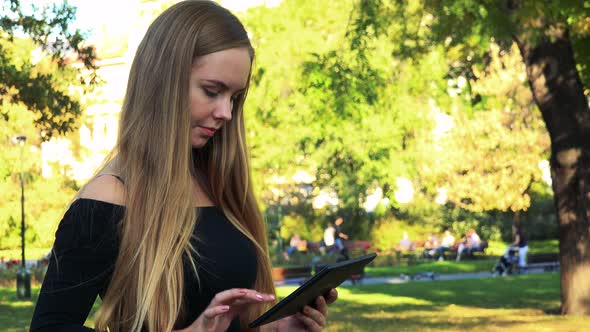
<point x="279" y="225"/>
<point x="279" y="181"/>
<point x="23" y="276"/>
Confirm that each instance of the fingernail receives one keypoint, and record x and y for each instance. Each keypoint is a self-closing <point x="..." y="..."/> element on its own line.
<point x="259" y="297"/>
<point x="306" y="310"/>
<point x="225" y="308"/>
<point x="272" y="297"/>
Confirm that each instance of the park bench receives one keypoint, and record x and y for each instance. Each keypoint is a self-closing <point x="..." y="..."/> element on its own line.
<point x="543" y="258"/>
<point x="313" y="246"/>
<point x="470" y="254"/>
<point x="296" y="272"/>
<point x="358" y="247"/>
<point x="353" y="247"/>
<point x="547" y="266"/>
<point x="418" y="252"/>
<point x="546" y="261"/>
<point x="409" y="256"/>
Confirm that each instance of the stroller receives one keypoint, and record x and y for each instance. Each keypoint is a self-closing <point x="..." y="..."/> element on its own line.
<point x="507" y="262"/>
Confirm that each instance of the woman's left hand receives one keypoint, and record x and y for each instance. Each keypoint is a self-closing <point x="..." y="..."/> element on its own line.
<point x="310" y="319"/>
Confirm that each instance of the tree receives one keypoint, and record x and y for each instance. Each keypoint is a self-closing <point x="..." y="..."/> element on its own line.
<point x="488" y="157"/>
<point x="44" y="65"/>
<point x="328" y="96"/>
<point x="552" y="37"/>
<point x="359" y="120"/>
<point x="46" y="93"/>
<point x="46" y="197"/>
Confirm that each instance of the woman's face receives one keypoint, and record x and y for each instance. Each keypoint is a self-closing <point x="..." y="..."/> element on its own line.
<point x="217" y="80"/>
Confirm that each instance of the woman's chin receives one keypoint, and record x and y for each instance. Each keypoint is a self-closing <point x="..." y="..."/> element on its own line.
<point x="199" y="142"/>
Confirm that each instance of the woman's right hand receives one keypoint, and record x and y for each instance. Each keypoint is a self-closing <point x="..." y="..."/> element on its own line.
<point x="224" y="307"/>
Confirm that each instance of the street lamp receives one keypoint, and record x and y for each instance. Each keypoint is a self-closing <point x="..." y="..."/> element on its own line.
<point x="23" y="276"/>
<point x="279" y="181"/>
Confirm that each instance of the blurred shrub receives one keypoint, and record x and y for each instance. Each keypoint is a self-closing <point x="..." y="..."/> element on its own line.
<point x="539" y="222"/>
<point x="387" y="232"/>
<point x="310" y="229"/>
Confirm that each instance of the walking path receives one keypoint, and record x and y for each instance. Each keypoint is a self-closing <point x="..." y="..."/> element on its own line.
<point x="427" y="276"/>
<point x="424" y="276"/>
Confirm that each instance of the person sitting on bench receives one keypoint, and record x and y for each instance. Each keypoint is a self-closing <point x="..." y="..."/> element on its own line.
<point x="447" y="243"/>
<point x="472" y="243"/>
<point x="405" y="244"/>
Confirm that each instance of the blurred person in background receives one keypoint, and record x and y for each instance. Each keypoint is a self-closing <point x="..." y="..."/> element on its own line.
<point x="471" y="243"/>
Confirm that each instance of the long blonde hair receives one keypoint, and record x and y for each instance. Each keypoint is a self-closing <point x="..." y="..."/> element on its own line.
<point x="154" y="156"/>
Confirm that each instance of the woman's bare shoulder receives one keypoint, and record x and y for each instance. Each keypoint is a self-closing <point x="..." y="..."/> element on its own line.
<point x="105" y="187"/>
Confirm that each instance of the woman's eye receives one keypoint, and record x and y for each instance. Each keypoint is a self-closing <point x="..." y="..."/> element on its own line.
<point x="210" y="93"/>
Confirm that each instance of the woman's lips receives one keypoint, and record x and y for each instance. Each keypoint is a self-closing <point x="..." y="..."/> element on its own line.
<point x="208" y="131"/>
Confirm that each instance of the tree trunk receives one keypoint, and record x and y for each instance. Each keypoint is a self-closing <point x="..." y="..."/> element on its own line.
<point x="558" y="91"/>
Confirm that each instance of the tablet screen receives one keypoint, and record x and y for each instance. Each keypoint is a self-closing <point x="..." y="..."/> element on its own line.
<point x="329" y="277"/>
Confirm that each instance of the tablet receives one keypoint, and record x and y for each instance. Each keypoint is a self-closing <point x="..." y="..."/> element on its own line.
<point x="329" y="277"/>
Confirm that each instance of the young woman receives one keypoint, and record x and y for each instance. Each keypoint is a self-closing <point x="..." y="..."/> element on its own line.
<point x="168" y="232"/>
<point x="519" y="243"/>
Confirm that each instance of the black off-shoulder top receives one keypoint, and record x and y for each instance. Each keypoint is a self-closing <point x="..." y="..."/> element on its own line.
<point x="85" y="249"/>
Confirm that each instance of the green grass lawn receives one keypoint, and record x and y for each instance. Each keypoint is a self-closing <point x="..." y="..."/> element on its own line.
<point x="444" y="267"/>
<point x="517" y="304"/>
<point x="543" y="247"/>
<point x="15" y="315"/>
<point x="512" y="304"/>
<point x="497" y="248"/>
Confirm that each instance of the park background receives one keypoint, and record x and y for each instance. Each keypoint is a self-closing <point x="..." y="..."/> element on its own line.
<point x="398" y="116"/>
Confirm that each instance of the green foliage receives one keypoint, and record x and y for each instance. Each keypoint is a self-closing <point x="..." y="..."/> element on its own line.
<point x="344" y="107"/>
<point x="539" y="222"/>
<point x="45" y="198"/>
<point x="275" y="106"/>
<point x="422" y="210"/>
<point x="297" y="224"/>
<point x="489" y="158"/>
<point x="504" y="20"/>
<point x="44" y="90"/>
<point x="387" y="232"/>
<point x="543" y="247"/>
<point x="31" y="252"/>
<point x="356" y="106"/>
<point x="489" y="225"/>
<point x="39" y="91"/>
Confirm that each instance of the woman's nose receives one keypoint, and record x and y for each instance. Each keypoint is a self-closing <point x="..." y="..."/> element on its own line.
<point x="223" y="110"/>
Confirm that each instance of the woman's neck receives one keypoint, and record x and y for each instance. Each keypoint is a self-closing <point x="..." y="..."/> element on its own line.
<point x="200" y="195"/>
